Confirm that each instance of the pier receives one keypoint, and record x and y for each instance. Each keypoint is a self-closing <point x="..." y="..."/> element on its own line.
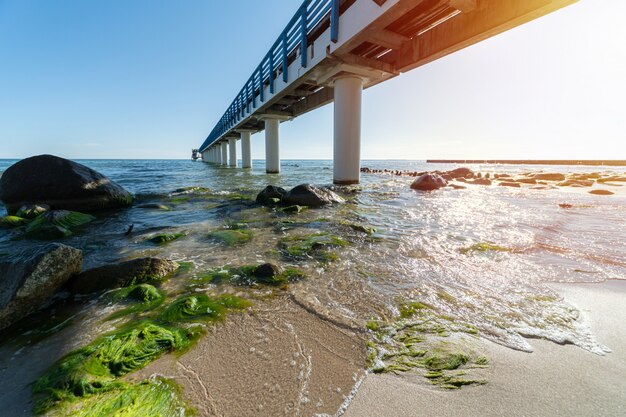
<point x="331" y="50"/>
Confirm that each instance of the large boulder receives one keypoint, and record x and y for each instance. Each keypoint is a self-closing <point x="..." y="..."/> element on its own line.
<point x="137" y="271"/>
<point x="28" y="280"/>
<point x="462" y="172"/>
<point x="429" y="182"/>
<point x="60" y="184"/>
<point x="310" y="196"/>
<point x="271" y="195"/>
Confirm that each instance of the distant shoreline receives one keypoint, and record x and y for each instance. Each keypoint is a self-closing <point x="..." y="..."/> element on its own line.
<point x="612" y="163"/>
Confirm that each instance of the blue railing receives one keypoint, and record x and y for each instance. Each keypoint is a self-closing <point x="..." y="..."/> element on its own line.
<point x="295" y="37"/>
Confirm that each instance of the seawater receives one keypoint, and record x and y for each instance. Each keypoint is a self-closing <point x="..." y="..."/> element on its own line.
<point x="417" y="252"/>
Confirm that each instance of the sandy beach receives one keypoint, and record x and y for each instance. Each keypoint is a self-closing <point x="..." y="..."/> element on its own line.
<point x="552" y="381"/>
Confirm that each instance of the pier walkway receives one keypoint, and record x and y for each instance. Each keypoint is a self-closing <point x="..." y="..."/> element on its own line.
<point x="333" y="49"/>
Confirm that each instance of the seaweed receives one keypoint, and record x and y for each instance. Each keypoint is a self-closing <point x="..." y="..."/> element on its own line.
<point x="93" y="369"/>
<point x="201" y="307"/>
<point x="483" y="247"/>
<point x="146" y="298"/>
<point x="248" y="275"/>
<point x="165" y="238"/>
<point x="157" y="397"/>
<point x="316" y="245"/>
<point x="231" y="237"/>
<point x="57" y="224"/>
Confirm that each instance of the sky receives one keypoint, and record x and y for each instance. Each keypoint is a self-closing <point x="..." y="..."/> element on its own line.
<point x="150" y="78"/>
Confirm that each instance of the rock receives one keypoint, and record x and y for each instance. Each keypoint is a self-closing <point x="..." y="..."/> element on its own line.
<point x="601" y="192"/>
<point x="60" y="184"/>
<point x="566" y="205"/>
<point x="310" y="196"/>
<point x="548" y="176"/>
<point x="57" y="224"/>
<point x="266" y="270"/>
<point x="30" y="211"/>
<point x="461" y="172"/>
<point x="137" y="271"/>
<point x="30" y="279"/>
<point x="612" y="179"/>
<point x="575" y="183"/>
<point x="526" y="180"/>
<point x="480" y="181"/>
<point x="269" y="195"/>
<point x="429" y="182"/>
<point x="457" y="187"/>
<point x="509" y="184"/>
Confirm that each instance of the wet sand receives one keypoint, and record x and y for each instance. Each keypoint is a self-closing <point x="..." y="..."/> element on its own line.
<point x="552" y="381"/>
<point x="278" y="360"/>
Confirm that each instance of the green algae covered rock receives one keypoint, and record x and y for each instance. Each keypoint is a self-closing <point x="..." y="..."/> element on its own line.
<point x="201" y="307"/>
<point x="142" y="297"/>
<point x="231" y="237"/>
<point x="10" y="222"/>
<point x="315" y="245"/>
<point x="249" y="275"/>
<point x="57" y="224"/>
<point x="30" y="211"/>
<point x="165" y="238"/>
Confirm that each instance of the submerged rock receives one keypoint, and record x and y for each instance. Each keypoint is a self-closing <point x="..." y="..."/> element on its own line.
<point x="271" y="195"/>
<point x="311" y="196"/>
<point x="29" y="280"/>
<point x="57" y="224"/>
<point x="429" y="182"/>
<point x="137" y="271"/>
<point x="60" y="184"/>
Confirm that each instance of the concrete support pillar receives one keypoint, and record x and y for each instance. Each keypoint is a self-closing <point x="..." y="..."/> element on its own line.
<point x="246" y="154"/>
<point x="347" y="132"/>
<point x="224" y="158"/>
<point x="213" y="154"/>
<point x="216" y="154"/>
<point x="232" y="151"/>
<point x="272" y="146"/>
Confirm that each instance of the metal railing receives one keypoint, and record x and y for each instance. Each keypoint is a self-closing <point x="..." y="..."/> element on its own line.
<point x="294" y="39"/>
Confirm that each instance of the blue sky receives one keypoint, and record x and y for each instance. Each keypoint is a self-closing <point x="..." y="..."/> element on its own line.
<point x="148" y="79"/>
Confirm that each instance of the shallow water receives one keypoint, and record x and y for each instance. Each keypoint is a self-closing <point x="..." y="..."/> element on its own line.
<point x="416" y="253"/>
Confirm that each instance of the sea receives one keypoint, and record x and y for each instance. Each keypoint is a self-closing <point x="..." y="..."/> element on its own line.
<point x="484" y="254"/>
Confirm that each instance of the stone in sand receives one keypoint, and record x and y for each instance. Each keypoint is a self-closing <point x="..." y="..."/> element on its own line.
<point x="29" y="280"/>
<point x="137" y="271"/>
<point x="429" y="182"/>
<point x="310" y="196"/>
<point x="60" y="184"/>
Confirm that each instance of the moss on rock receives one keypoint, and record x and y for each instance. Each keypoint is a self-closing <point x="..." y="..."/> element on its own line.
<point x="483" y="247"/>
<point x="165" y="238"/>
<point x="10" y="222"/>
<point x="57" y="224"/>
<point x="316" y="245"/>
<point x="231" y="237"/>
